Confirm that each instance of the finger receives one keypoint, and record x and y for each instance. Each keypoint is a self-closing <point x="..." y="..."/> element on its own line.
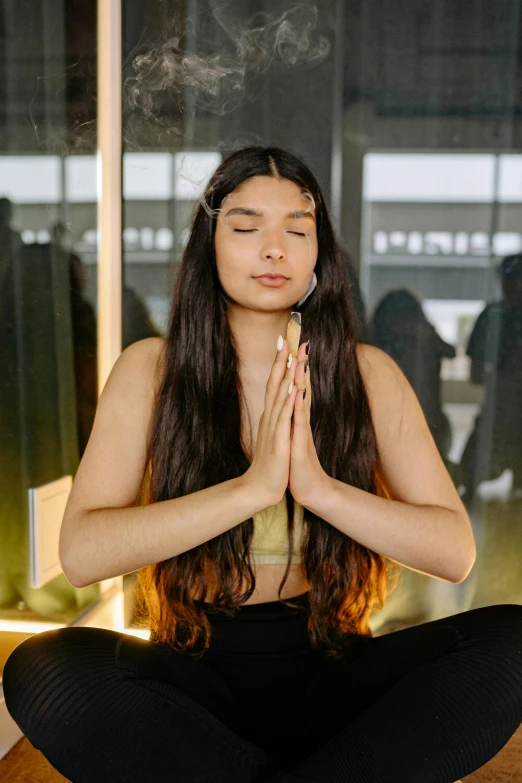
<point x="300" y="431"/>
<point x="308" y="399"/>
<point x="282" y="395"/>
<point x="275" y="379"/>
<point x="303" y="381"/>
<point x="283" y="426"/>
<point x="300" y="383"/>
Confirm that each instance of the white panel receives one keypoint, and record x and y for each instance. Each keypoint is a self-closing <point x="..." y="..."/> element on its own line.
<point x="46" y="509"/>
<point x="429" y="177"/>
<point x="147" y="176"/>
<point x="30" y="179"/>
<point x="80" y="179"/>
<point x="510" y="178"/>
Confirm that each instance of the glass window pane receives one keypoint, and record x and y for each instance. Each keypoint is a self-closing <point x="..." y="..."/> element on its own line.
<point x="48" y="264"/>
<point x="411" y="132"/>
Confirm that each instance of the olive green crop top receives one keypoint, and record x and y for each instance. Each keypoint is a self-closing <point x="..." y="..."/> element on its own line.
<point x="270" y="541"/>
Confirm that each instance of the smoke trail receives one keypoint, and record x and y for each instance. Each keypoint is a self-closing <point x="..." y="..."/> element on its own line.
<point x="218" y="80"/>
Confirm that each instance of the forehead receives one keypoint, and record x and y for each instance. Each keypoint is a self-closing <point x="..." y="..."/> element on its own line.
<point x="269" y="195"/>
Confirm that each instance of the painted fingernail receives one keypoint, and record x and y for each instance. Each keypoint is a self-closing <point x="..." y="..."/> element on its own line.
<point x="304" y="394"/>
<point x="307" y="347"/>
<point x="280" y="342"/>
<point x="306" y="366"/>
<point x="290" y="388"/>
<point x="289" y="362"/>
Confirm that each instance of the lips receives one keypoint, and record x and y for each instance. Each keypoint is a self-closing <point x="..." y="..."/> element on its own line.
<point x="272" y="282"/>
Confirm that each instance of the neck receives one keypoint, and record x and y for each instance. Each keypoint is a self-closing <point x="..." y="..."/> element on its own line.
<point x="255" y="334"/>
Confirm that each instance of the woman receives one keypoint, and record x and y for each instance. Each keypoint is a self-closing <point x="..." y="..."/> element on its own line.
<point x="238" y="682"/>
<point x="400" y="328"/>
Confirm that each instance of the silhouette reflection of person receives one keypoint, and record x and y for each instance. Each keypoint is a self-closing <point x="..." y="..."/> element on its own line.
<point x="136" y="321"/>
<point x="39" y="422"/>
<point x="84" y="337"/>
<point x="136" y="325"/>
<point x="495" y="349"/>
<point x="400" y="328"/>
<point x="10" y="240"/>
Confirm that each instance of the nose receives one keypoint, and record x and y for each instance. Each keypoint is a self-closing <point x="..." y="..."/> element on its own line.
<point x="273" y="251"/>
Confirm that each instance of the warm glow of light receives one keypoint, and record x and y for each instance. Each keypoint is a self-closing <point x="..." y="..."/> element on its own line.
<point x="143" y="633"/>
<point x="20" y="626"/>
<point x="26" y="626"/>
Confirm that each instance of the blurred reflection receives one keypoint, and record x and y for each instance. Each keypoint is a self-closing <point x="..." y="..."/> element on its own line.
<point x="39" y="420"/>
<point x="10" y="240"/>
<point x="136" y="321"/>
<point x="136" y="325"/>
<point x="400" y="328"/>
<point x="357" y="297"/>
<point x="84" y="334"/>
<point x="495" y="349"/>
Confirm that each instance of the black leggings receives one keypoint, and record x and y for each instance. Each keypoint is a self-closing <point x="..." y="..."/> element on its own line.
<point x="427" y="704"/>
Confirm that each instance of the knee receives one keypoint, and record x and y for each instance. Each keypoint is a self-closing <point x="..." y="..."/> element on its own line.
<point x="510" y="614"/>
<point x="36" y="665"/>
<point x="499" y="626"/>
<point x="25" y="666"/>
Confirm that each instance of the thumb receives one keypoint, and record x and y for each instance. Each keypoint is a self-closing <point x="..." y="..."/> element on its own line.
<point x="300" y="423"/>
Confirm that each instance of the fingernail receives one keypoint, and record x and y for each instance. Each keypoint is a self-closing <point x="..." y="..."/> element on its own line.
<point x="307" y="347"/>
<point x="280" y="342"/>
<point x="289" y="361"/>
<point x="304" y="394"/>
<point x="306" y="366"/>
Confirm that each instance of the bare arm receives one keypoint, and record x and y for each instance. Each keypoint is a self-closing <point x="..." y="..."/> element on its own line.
<point x="103" y="533"/>
<point x="424" y="525"/>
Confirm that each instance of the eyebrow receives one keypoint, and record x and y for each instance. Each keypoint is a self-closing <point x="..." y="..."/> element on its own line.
<point x="301" y="213"/>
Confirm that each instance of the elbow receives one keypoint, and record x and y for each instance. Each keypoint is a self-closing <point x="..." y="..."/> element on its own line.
<point x="466" y="551"/>
<point x="68" y="567"/>
<point x="70" y="574"/>
<point x="463" y="575"/>
<point x="75" y="582"/>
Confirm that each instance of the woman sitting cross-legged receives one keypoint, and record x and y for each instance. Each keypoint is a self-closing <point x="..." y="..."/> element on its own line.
<point x="265" y="493"/>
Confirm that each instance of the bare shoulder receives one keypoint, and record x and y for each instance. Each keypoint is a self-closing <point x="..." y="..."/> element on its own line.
<point x="148" y="353"/>
<point x="393" y="403"/>
<point x="381" y="374"/>
<point x="140" y="365"/>
<point x="413" y="469"/>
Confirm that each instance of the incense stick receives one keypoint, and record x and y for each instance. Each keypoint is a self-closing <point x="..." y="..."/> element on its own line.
<point x="293" y="333"/>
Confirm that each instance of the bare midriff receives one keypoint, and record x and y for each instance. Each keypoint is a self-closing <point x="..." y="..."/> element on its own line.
<point x="268" y="579"/>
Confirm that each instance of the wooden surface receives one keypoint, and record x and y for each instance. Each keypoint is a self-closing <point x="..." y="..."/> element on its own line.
<point x="25" y="764"/>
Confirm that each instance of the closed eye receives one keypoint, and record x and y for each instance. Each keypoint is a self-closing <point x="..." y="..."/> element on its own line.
<point x="250" y="230"/>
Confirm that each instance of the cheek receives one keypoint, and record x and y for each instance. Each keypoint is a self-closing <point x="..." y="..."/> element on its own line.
<point x="231" y="262"/>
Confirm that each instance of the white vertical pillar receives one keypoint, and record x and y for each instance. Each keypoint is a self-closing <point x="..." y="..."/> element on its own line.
<point x="109" y="201"/>
<point x="109" y="186"/>
<point x="336" y="170"/>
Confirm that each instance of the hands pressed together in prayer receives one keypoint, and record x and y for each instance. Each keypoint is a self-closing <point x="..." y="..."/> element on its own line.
<point x="307" y="477"/>
<point x="285" y="456"/>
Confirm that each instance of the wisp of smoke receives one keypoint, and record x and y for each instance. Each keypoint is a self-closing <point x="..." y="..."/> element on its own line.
<point x="217" y="80"/>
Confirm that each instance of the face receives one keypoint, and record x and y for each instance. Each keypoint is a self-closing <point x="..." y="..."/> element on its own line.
<point x="266" y="226"/>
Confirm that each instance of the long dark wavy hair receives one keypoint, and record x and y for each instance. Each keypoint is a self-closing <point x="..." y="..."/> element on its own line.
<point x="195" y="439"/>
